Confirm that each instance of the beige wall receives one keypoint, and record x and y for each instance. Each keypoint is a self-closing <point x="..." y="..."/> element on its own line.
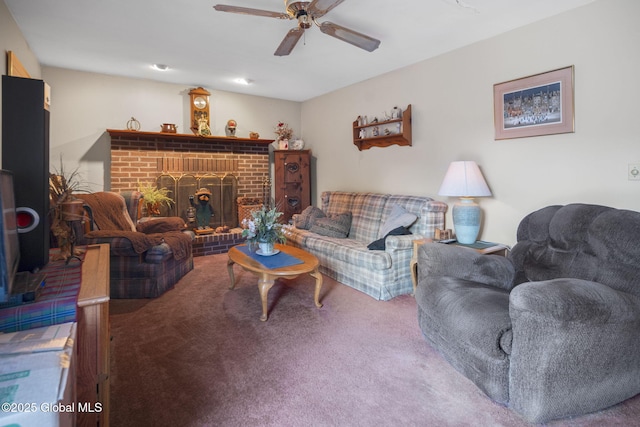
<point x="452" y="103"/>
<point x="85" y="104"/>
<point x="11" y="39"/>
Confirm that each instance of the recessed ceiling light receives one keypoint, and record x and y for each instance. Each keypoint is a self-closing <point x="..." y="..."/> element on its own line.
<point x="243" y="81"/>
<point x="160" y="67"/>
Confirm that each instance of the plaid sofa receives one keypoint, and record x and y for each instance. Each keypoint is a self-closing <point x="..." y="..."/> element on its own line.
<point x="380" y="274"/>
<point x="140" y="275"/>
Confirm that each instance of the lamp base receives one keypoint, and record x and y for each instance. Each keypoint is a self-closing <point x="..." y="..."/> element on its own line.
<point x="466" y="220"/>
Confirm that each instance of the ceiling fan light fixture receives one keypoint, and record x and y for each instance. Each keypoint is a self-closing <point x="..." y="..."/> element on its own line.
<point x="304" y="20"/>
<point x="293" y="7"/>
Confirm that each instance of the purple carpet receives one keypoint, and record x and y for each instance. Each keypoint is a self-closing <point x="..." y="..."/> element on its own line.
<point x="200" y="356"/>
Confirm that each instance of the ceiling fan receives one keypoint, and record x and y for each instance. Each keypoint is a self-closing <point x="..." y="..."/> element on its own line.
<point x="306" y="12"/>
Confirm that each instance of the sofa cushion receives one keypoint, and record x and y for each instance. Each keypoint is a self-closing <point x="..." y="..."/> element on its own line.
<point x="351" y="251"/>
<point x="307" y="217"/>
<point x="333" y="226"/>
<point x="399" y="217"/>
<point x="336" y="202"/>
<point x="380" y="244"/>
<point x="367" y="211"/>
<point x="430" y="212"/>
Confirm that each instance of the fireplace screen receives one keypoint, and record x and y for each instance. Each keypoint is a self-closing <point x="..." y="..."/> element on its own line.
<point x="224" y="189"/>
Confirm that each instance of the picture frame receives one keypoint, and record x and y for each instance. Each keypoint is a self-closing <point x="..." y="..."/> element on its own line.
<point x="541" y="104"/>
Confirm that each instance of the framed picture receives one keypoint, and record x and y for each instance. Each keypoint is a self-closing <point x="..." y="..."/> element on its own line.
<point x="541" y="104"/>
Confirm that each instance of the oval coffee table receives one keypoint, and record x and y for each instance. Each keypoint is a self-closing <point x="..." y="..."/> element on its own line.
<point x="267" y="276"/>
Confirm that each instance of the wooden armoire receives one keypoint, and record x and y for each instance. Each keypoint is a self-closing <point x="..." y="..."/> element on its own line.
<point x="292" y="181"/>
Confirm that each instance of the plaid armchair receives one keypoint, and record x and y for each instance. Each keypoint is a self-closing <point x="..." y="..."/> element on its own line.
<point x="147" y="258"/>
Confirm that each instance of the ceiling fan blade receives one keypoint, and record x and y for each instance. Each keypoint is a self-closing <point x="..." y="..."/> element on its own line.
<point x="350" y="36"/>
<point x="289" y="42"/>
<point x="250" y="11"/>
<point x="318" y="8"/>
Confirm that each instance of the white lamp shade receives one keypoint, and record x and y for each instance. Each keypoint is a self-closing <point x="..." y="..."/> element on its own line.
<point x="464" y="179"/>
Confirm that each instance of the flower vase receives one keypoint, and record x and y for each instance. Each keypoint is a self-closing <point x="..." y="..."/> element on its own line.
<point x="283" y="144"/>
<point x="266" y="248"/>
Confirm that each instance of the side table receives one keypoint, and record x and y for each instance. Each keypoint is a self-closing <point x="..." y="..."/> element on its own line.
<point x="485" y="248"/>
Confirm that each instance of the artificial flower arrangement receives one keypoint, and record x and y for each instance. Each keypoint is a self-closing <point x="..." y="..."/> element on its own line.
<point x="263" y="227"/>
<point x="284" y="131"/>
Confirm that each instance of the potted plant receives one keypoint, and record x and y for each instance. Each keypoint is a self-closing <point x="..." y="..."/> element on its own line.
<point x="154" y="197"/>
<point x="284" y="133"/>
<point x="262" y="229"/>
<point x="65" y="208"/>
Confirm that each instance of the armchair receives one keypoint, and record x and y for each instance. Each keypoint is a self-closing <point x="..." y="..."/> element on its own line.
<point x="551" y="331"/>
<point x="146" y="258"/>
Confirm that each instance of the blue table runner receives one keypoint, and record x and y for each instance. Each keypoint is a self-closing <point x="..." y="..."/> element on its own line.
<point x="274" y="261"/>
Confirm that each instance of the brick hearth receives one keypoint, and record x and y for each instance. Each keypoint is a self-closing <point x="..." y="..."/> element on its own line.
<point x="140" y="157"/>
<point x="216" y="243"/>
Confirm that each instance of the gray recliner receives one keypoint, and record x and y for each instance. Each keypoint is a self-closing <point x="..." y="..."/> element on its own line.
<point x="552" y="330"/>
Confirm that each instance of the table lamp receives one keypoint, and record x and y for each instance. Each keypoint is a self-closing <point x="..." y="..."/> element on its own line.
<point x="464" y="179"/>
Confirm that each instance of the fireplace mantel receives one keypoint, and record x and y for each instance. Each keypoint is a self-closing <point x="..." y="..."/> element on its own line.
<point x="183" y="137"/>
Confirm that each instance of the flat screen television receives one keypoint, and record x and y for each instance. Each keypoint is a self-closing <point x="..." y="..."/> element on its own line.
<point x="9" y="244"/>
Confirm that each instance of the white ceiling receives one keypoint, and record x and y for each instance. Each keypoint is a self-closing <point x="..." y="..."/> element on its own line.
<point x="207" y="48"/>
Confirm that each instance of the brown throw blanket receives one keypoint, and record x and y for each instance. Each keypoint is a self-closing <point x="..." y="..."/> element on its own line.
<point x="108" y="211"/>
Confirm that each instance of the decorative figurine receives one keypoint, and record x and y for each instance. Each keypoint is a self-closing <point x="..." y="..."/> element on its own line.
<point x="133" y="124"/>
<point x="230" y="129"/>
<point x="191" y="214"/>
<point x="204" y="210"/>
<point x="203" y="127"/>
<point x="297" y="144"/>
<point x="254" y="135"/>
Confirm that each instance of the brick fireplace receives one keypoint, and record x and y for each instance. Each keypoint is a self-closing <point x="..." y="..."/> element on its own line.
<point x="142" y="157"/>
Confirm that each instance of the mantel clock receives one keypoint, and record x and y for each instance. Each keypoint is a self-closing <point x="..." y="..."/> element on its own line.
<point x="199" y="106"/>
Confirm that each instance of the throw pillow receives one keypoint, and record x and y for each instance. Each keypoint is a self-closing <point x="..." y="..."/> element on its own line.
<point x="337" y="225"/>
<point x="381" y="244"/>
<point x="399" y="217"/>
<point x="307" y="217"/>
<point x="161" y="225"/>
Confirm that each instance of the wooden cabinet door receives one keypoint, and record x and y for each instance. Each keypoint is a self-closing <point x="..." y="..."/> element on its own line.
<point x="292" y="181"/>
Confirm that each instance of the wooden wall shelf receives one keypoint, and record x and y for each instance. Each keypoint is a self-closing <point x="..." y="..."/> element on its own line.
<point x="403" y="138"/>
